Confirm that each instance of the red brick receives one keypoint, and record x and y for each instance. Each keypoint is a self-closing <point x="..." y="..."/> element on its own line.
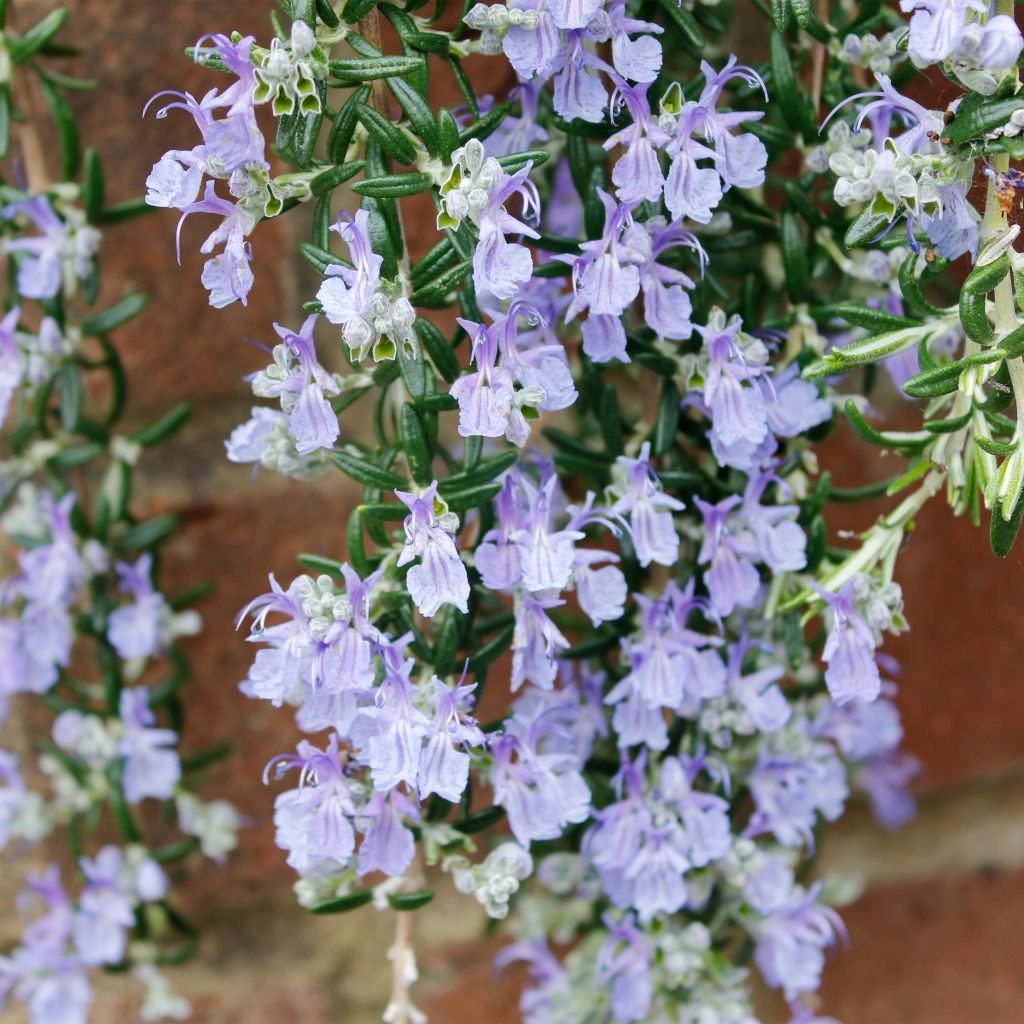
<point x="943" y="951"/>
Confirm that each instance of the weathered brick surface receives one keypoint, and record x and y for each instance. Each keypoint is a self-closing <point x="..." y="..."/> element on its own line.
<point x="941" y="951"/>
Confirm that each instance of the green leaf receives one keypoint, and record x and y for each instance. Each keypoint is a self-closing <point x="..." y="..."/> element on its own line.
<point x="325" y="12"/>
<point x="584" y="129"/>
<point x="92" y="186"/>
<point x="340" y="136"/>
<point x="366" y="69"/>
<point x="484" y="126"/>
<point x="414" y="444"/>
<point x="163" y="427"/>
<point x="866" y="228"/>
<point x="37" y="37"/>
<point x="343" y="904"/>
<point x="68" y="386"/>
<point x="910" y="288"/>
<point x="875" y="320"/>
<point x="471" y="497"/>
<point x="432" y="263"/>
<point x="869" y="350"/>
<point x="367" y="473"/>
<point x="977" y="117"/>
<point x="391" y="138"/>
<point x="5" y="120"/>
<point x="492" y="650"/>
<point x="1003" y="532"/>
<point x="794" y="257"/>
<point x="944" y="379"/>
<point x="146" y="533"/>
<point x="784" y="85"/>
<point x="667" y="423"/>
<point x="320" y="564"/>
<point x="319" y="259"/>
<point x="974" y="317"/>
<point x="67" y="131"/>
<point x="409" y="900"/>
<point x="385" y="511"/>
<point x="393" y="186"/>
<point x="416" y="376"/>
<point x="982" y="279"/>
<point x="335" y="176"/>
<point x="517" y="161"/>
<point x="781" y="13"/>
<point x="127" y="210"/>
<point x="908" y="442"/>
<point x="447" y="625"/>
<point x="448" y="134"/>
<point x="421" y="117"/>
<point x="685" y="24"/>
<point x="483" y="472"/>
<point x="479" y="821"/>
<point x="1001" y="449"/>
<point x="436" y="293"/>
<point x="435" y="344"/>
<point x="1013" y="343"/>
<point x="117" y="314"/>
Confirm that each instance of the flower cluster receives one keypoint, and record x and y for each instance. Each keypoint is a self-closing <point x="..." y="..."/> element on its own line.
<point x="626" y="500"/>
<point x="84" y="628"/>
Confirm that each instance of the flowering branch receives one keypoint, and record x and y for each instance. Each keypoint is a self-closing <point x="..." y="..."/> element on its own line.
<point x="644" y="289"/>
<point x="82" y="621"/>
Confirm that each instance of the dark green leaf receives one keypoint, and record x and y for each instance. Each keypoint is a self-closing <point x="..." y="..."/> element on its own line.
<point x="320" y="564"/>
<point x="366" y="69"/>
<point x="335" y="176"/>
<point x="667" y="423"/>
<point x="866" y="228"/>
<point x="440" y="351"/>
<point x="391" y="138"/>
<point x="69" y="394"/>
<point x="340" y="136"/>
<point x="974" y="317"/>
<point x="977" y="117"/>
<point x="393" y="186"/>
<point x="409" y="900"/>
<point x="421" y="117"/>
<point x="448" y="134"/>
<point x="326" y="13"/>
<point x="471" y="497"/>
<point x="517" y="161"/>
<point x="92" y="186"/>
<point x="785" y="90"/>
<point x="436" y="293"/>
<point x="1002" y="532"/>
<point x="794" y="257"/>
<point x="37" y="37"/>
<point x="342" y="904"/>
<point x="982" y="279"/>
<point x="874" y="320"/>
<point x="686" y="25"/>
<point x="414" y="444"/>
<point x="128" y="307"/>
<point x="146" y="533"/>
<point x="479" y="821"/>
<point x="367" y="473"/>
<point x="67" y="131"/>
<point x="904" y="442"/>
<point x="163" y="427"/>
<point x="483" y="472"/>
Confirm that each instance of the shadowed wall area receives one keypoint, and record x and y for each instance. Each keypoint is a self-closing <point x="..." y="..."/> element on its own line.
<point x="935" y="935"/>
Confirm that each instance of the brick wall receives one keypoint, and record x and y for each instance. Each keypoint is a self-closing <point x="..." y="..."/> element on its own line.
<point x="933" y="938"/>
